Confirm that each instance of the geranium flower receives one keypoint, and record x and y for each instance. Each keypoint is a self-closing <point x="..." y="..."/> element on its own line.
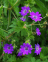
<point x="35" y="16"/>
<point x="23" y="19"/>
<point x="8" y="48"/>
<point x="38" y="31"/>
<point x="25" y="48"/>
<point x="37" y="49"/>
<point x="19" y="53"/>
<point x="24" y="10"/>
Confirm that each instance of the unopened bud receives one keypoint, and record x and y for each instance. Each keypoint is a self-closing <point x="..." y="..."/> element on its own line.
<point x="47" y="14"/>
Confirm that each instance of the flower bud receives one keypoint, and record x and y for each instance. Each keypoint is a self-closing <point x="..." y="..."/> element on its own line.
<point x="47" y="14"/>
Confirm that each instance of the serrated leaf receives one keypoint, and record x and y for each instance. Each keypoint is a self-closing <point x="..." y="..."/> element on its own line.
<point x="16" y="9"/>
<point x="12" y="59"/>
<point x="41" y="6"/>
<point x="32" y="59"/>
<point x="23" y="32"/>
<point x="38" y="60"/>
<point x="5" y="5"/>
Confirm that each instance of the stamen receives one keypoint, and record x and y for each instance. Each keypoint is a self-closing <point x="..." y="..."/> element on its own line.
<point x="37" y="48"/>
<point x="26" y="48"/>
<point x="35" y="17"/>
<point x="8" y="47"/>
<point x="25" y="11"/>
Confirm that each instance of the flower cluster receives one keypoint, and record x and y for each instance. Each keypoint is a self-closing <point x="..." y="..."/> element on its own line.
<point x="38" y="31"/>
<point x="24" y="12"/>
<point x="34" y="16"/>
<point x="26" y="49"/>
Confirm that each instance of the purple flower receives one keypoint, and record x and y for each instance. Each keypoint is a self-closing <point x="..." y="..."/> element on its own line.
<point x="25" y="48"/>
<point x="38" y="31"/>
<point x="23" y="19"/>
<point x="37" y="49"/>
<point x="8" y="48"/>
<point x="24" y="10"/>
<point x="35" y="16"/>
<point x="19" y="53"/>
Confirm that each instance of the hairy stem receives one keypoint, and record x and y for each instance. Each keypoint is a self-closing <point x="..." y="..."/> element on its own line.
<point x="9" y="18"/>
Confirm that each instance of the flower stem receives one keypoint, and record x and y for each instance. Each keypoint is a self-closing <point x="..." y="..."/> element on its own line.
<point x="44" y="17"/>
<point x="15" y="4"/>
<point x="14" y="15"/>
<point x="9" y="18"/>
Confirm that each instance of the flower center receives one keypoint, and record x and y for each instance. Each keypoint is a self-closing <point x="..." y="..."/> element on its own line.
<point x="37" y="48"/>
<point x="8" y="47"/>
<point x="25" y="11"/>
<point x="26" y="48"/>
<point x="35" y="17"/>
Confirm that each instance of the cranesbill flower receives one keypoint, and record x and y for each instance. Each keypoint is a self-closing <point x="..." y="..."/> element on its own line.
<point x="23" y="19"/>
<point x="37" y="49"/>
<point x="38" y="31"/>
<point x="24" y="10"/>
<point x="8" y="48"/>
<point x="19" y="53"/>
<point x="35" y="16"/>
<point x="25" y="48"/>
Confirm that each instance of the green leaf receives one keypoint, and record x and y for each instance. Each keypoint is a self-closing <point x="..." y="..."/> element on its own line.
<point x="12" y="59"/>
<point x="46" y="0"/>
<point x="38" y="60"/>
<point x="18" y="60"/>
<point x="32" y="59"/>
<point x="17" y="29"/>
<point x="28" y="59"/>
<point x="1" y="9"/>
<point x="47" y="31"/>
<point x="44" y="55"/>
<point x="6" y="5"/>
<point x="3" y="33"/>
<point x="23" y="32"/>
<point x="16" y="9"/>
<point x="25" y="60"/>
<point x="42" y="7"/>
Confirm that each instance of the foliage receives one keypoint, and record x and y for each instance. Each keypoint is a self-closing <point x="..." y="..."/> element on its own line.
<point x="16" y="32"/>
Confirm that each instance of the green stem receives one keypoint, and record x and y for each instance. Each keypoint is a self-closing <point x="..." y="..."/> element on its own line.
<point x="14" y="15"/>
<point x="44" y="17"/>
<point x="9" y="18"/>
<point x="15" y="4"/>
<point x="31" y="29"/>
<point x="4" y="30"/>
<point x="35" y="24"/>
<point x="39" y="24"/>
